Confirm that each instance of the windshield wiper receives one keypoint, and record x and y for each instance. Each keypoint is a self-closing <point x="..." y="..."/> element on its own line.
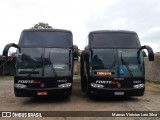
<point x="52" y="67"/>
<point x="126" y="64"/>
<point x="33" y="70"/>
<point x="114" y="62"/>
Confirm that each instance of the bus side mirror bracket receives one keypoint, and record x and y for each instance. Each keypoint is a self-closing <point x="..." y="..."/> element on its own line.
<point x="86" y="53"/>
<point x="75" y="52"/>
<point x="7" y="47"/>
<point x="150" y="52"/>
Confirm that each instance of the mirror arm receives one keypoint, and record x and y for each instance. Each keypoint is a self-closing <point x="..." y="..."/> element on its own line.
<point x="7" y="47"/>
<point x="75" y="51"/>
<point x="150" y="52"/>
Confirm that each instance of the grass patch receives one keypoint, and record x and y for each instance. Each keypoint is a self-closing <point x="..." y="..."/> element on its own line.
<point x="76" y="73"/>
<point x="152" y="84"/>
<point x="6" y="77"/>
<point x="157" y="82"/>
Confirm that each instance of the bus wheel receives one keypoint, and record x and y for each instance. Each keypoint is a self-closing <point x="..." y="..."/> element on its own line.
<point x="83" y="88"/>
<point x="88" y="92"/>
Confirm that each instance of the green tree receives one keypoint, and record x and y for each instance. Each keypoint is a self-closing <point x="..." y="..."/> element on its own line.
<point x="144" y="54"/>
<point x="42" y="25"/>
<point x="79" y="52"/>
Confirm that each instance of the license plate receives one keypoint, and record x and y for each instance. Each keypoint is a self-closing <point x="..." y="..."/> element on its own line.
<point x="42" y="93"/>
<point x="118" y="93"/>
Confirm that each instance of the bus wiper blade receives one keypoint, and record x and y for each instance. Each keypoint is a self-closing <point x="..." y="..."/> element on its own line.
<point x="126" y="64"/>
<point x="114" y="62"/>
<point x="52" y="67"/>
<point x="33" y="70"/>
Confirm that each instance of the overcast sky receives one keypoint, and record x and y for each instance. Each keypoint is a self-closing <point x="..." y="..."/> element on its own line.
<point x="81" y="17"/>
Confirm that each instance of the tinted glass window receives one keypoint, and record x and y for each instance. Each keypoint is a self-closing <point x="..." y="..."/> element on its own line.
<point x="104" y="60"/>
<point x="46" y="39"/>
<point x="44" y="62"/>
<point x="113" y="40"/>
<point x="129" y="65"/>
<point x="57" y="62"/>
<point x="113" y="61"/>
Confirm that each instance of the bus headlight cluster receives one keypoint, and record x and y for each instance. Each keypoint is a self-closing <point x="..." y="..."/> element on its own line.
<point x="94" y="85"/>
<point x="139" y="86"/>
<point x="21" y="86"/>
<point x="66" y="85"/>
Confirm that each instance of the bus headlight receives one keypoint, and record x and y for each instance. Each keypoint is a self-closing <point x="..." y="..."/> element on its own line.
<point x="21" y="86"/>
<point x="139" y="86"/>
<point x="94" y="85"/>
<point x="65" y="85"/>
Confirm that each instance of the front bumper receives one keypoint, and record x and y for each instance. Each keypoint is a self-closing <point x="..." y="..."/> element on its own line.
<point x="105" y="92"/>
<point x="52" y="92"/>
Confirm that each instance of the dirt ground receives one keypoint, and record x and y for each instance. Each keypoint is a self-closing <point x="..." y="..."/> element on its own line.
<point x="79" y="102"/>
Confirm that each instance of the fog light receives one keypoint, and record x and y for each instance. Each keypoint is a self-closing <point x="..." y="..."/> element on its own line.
<point x="94" y="85"/>
<point x="21" y="86"/>
<point x="66" y="85"/>
<point x="139" y="86"/>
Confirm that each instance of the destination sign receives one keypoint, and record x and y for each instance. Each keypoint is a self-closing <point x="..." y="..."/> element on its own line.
<point x="104" y="73"/>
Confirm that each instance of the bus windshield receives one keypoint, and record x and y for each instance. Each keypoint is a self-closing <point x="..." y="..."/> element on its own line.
<point x="44" y="62"/>
<point x="128" y="63"/>
<point x="108" y="62"/>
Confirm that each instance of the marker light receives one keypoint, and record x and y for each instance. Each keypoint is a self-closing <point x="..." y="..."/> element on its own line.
<point x="139" y="86"/>
<point x="21" y="86"/>
<point x="94" y="85"/>
<point x="66" y="85"/>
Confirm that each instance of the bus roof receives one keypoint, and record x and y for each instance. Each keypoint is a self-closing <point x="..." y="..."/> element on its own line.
<point x="45" y="30"/>
<point x="113" y="39"/>
<point x="46" y="38"/>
